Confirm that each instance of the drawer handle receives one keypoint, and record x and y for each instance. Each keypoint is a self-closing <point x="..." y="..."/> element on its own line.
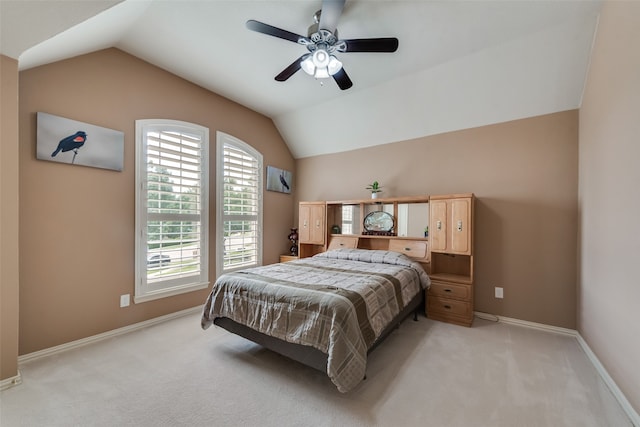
<point x="341" y="244"/>
<point x="448" y="307"/>
<point x="407" y="249"/>
<point x="448" y="290"/>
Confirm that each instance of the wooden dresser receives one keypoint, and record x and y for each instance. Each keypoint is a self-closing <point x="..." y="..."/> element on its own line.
<point x="450" y="298"/>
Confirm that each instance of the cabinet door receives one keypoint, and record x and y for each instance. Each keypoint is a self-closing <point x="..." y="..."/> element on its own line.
<point x="460" y="226"/>
<point x="311" y="228"/>
<point x="317" y="224"/>
<point x="438" y="225"/>
<point x="304" y="219"/>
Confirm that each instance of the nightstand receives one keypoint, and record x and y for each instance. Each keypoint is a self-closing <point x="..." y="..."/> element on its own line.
<point x="287" y="258"/>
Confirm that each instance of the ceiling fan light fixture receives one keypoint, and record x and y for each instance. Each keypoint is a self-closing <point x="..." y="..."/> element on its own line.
<point x="307" y="66"/>
<point x="321" y="73"/>
<point x="320" y="58"/>
<point x="334" y="65"/>
<point x="321" y="64"/>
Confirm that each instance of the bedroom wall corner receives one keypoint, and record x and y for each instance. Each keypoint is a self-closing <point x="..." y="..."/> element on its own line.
<point x="609" y="198"/>
<point x="9" y="240"/>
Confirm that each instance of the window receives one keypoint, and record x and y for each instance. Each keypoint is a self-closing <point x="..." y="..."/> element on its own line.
<point x="172" y="175"/>
<point x="347" y="219"/>
<point x="239" y="212"/>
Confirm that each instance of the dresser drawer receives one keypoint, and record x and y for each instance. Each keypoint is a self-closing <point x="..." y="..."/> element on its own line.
<point x="416" y="249"/>
<point x="451" y="306"/>
<point x="339" y="242"/>
<point x="450" y="290"/>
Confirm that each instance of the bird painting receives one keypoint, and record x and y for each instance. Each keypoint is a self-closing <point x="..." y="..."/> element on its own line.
<point x="63" y="140"/>
<point x="279" y="180"/>
<point x="284" y="182"/>
<point x="71" y="142"/>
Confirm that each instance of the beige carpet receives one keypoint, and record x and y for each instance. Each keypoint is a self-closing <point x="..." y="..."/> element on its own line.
<point x="426" y="373"/>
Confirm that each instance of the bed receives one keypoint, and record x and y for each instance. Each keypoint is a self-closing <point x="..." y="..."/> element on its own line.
<point x="327" y="311"/>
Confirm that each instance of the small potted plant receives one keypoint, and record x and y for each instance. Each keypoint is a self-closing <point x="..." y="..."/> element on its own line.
<point x="375" y="189"/>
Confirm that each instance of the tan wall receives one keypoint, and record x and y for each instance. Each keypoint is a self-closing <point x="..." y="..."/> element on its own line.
<point x="609" y="195"/>
<point x="525" y="175"/>
<point x="77" y="223"/>
<point x="9" y="266"/>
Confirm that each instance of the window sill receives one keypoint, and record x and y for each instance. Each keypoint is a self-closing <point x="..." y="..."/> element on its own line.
<point x="169" y="292"/>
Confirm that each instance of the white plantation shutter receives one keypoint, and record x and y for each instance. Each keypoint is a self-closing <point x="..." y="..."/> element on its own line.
<point x="239" y="203"/>
<point x="171" y="208"/>
<point x="347" y="219"/>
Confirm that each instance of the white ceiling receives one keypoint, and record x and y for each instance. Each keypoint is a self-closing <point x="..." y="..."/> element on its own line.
<point x="459" y="64"/>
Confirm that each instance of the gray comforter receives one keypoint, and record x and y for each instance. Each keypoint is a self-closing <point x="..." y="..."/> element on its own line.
<point x="337" y="302"/>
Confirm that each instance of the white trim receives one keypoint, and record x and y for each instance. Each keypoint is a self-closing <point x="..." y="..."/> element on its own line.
<point x="617" y="393"/>
<point x="11" y="382"/>
<point x="223" y="139"/>
<point x="527" y="324"/>
<point x="144" y="290"/>
<point x="611" y="384"/>
<point x="106" y="335"/>
<point x="169" y="292"/>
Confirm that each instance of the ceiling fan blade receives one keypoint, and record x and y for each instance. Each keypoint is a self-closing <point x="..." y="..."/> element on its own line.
<point x="291" y="69"/>
<point x="343" y="80"/>
<point x="270" y="30"/>
<point x="330" y="14"/>
<point x="387" y="44"/>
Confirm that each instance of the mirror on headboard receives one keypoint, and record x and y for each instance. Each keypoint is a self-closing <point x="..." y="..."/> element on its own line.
<point x="350" y="219"/>
<point x="413" y="219"/>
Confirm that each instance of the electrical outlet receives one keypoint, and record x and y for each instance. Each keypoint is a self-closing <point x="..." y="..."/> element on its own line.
<point x="124" y="300"/>
<point x="499" y="292"/>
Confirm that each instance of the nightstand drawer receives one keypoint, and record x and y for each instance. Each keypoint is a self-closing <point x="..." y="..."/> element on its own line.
<point x="445" y="305"/>
<point x="343" y="242"/>
<point x="450" y="290"/>
<point x="416" y="249"/>
<point x="287" y="258"/>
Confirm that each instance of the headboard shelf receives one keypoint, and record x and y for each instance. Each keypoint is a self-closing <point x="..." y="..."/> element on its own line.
<point x="382" y="200"/>
<point x="373" y="236"/>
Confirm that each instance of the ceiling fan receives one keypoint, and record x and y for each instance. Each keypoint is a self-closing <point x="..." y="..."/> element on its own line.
<point x="322" y="43"/>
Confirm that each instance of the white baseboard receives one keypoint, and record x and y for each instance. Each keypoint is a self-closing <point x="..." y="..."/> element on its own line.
<point x="613" y="387"/>
<point x="110" y="334"/>
<point x="617" y="393"/>
<point x="11" y="382"/>
<point x="526" y="323"/>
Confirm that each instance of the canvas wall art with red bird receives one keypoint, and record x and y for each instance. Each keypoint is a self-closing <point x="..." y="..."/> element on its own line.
<point x="64" y="140"/>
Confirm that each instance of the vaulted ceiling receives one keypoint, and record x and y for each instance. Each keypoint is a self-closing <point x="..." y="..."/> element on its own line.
<point x="459" y="64"/>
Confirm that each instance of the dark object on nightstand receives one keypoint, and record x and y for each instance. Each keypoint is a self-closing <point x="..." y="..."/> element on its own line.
<point x="293" y="236"/>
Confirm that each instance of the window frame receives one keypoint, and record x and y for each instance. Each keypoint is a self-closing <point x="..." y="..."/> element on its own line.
<point x="145" y="291"/>
<point x="223" y="139"/>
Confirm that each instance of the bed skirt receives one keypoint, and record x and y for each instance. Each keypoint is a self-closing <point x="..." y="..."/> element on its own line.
<point x="308" y="355"/>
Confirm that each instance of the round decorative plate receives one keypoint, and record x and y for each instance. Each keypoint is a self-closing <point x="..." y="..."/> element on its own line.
<point x="378" y="221"/>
